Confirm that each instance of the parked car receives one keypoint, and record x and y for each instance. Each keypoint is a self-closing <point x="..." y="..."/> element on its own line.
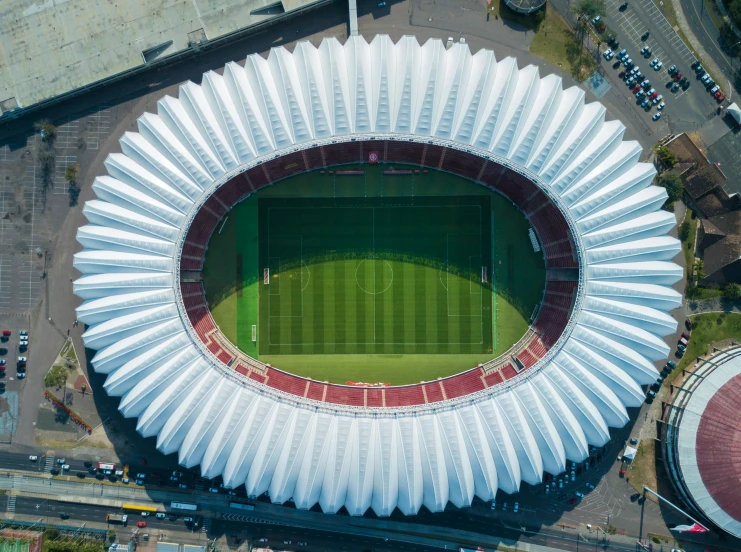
<point x="596" y="20"/>
<point x="657" y="116"/>
<point x="699" y="69"/>
<point x="714" y="89"/>
<point x="695" y="64"/>
<point x="658" y="66"/>
<point x="160" y="515"/>
<point x="623" y="6"/>
<point x="720" y="96"/>
<point x="141" y="523"/>
<point x="646" y="83"/>
<point x="672" y="69"/>
<point x="22" y="359"/>
<point x="645" y="102"/>
<point x="607" y="54"/>
<point x="686" y="85"/>
<point x="515" y="509"/>
<point x="675" y="87"/>
<point x="620" y="55"/>
<point x="660" y="106"/>
<point x="657" y="99"/>
<point x="677" y="77"/>
<point x="646" y="35"/>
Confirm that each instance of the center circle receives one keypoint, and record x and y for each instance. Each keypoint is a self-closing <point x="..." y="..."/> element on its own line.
<point x="374" y="276"/>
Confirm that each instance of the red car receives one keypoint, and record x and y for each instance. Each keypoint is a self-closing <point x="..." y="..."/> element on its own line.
<point x="721" y="97"/>
<point x="572" y="501"/>
<point x="6" y="333"/>
<point x="141" y="523"/>
<point x="654" y="95"/>
<point x="677" y="76"/>
<point x="637" y="89"/>
<point x="686" y="335"/>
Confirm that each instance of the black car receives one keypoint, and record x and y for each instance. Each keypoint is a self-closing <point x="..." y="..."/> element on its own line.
<point x="81" y="475"/>
<point x="623" y="6"/>
<point x="91" y="471"/>
<point x="99" y="476"/>
<point x="2" y="387"/>
<point x="635" y="496"/>
<point x="173" y="518"/>
<point x="54" y="471"/>
<point x="3" y="351"/>
<point x="88" y="464"/>
<point x="695" y="64"/>
<point x="646" y="35"/>
<point x="64" y="516"/>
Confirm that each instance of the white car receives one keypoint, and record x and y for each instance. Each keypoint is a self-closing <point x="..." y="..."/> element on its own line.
<point x="160" y="515"/>
<point x="65" y="467"/>
<point x="547" y="489"/>
<point x="22" y="359"/>
<point x="145" y="514"/>
<point x="579" y="494"/>
<point x="213" y="490"/>
<point x="658" y="66"/>
<point x="33" y="458"/>
<point x="493" y="504"/>
<point x="656" y="118"/>
<point x="660" y="106"/>
<point x="23" y="332"/>
<point x="590" y="485"/>
<point x="516" y="508"/>
<point x="654" y="61"/>
<point x="608" y="54"/>
<point x="61" y="461"/>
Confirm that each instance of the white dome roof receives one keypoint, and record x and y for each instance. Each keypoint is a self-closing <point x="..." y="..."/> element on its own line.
<point x="362" y="457"/>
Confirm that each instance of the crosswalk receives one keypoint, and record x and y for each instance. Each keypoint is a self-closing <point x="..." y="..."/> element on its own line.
<point x="206" y="527"/>
<point x="10" y="508"/>
<point x="48" y="461"/>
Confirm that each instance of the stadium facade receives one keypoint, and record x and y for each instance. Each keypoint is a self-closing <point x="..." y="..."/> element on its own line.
<point x="301" y="440"/>
<point x="702" y="440"/>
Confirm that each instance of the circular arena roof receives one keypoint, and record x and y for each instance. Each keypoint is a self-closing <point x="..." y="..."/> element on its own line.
<point x="589" y="199"/>
<point x="706" y="439"/>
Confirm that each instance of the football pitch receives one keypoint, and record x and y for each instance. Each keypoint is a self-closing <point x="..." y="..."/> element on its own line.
<point x="351" y="278"/>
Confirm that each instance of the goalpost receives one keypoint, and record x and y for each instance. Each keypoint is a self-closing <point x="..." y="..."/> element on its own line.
<point x="266" y="276"/>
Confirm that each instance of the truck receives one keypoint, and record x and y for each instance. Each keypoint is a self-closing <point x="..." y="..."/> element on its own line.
<point x="117" y="518"/>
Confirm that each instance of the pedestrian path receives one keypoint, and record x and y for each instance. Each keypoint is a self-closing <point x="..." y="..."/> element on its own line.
<point x="11" y="505"/>
<point x="49" y="461"/>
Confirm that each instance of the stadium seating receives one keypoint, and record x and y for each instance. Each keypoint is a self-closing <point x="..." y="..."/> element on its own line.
<point x="464" y="383"/>
<point x="340" y="394"/>
<point x="463" y="164"/>
<point x="346" y="152"/>
<point x="233" y="191"/>
<point x="285" y="166"/>
<point x="374" y="397"/>
<point x="257" y="177"/>
<point x="404" y="152"/>
<point x="404" y="396"/>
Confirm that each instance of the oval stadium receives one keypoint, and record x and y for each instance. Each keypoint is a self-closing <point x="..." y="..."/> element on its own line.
<point x="377" y="275"/>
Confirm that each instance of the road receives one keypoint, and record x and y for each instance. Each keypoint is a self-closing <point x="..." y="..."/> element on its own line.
<point x="322" y="532"/>
<point x="707" y="33"/>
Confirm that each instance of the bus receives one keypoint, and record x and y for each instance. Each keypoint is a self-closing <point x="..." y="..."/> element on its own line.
<point x="183" y="506"/>
<point x="241" y="506"/>
<point x="140" y="508"/>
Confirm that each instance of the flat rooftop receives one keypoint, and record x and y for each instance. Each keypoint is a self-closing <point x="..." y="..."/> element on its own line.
<point x="51" y="47"/>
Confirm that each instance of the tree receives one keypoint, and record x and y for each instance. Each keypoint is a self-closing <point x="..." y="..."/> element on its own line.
<point x="684" y="230"/>
<point x="672" y="183"/>
<point x="732" y="291"/>
<point x="699" y="269"/>
<point x="666" y="156"/>
<point x="70" y="173"/>
<point x="592" y="8"/>
<point x="56" y="376"/>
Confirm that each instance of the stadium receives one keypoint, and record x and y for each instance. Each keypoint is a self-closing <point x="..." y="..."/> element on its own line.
<point x="701" y="440"/>
<point x="374" y="201"/>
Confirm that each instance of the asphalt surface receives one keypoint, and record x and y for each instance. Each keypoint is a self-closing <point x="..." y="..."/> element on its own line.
<point x="686" y="110"/>
<point x="707" y="33"/>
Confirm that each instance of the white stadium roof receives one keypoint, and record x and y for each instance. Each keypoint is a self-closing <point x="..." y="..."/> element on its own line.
<point x="379" y="458"/>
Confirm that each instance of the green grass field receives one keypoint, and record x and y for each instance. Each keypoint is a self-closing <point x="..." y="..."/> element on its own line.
<point x="373" y="277"/>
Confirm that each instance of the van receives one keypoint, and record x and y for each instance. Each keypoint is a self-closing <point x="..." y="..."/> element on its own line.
<point x="188" y="519"/>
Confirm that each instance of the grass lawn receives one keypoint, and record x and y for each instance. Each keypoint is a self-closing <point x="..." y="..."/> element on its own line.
<point x="643" y="470"/>
<point x="554" y="42"/>
<point x="708" y="329"/>
<point x="374" y="277"/>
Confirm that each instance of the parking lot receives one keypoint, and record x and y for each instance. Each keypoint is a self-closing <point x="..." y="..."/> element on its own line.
<point x="685" y="109"/>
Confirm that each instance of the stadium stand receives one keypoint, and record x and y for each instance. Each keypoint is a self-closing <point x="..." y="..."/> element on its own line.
<point x="547" y="221"/>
